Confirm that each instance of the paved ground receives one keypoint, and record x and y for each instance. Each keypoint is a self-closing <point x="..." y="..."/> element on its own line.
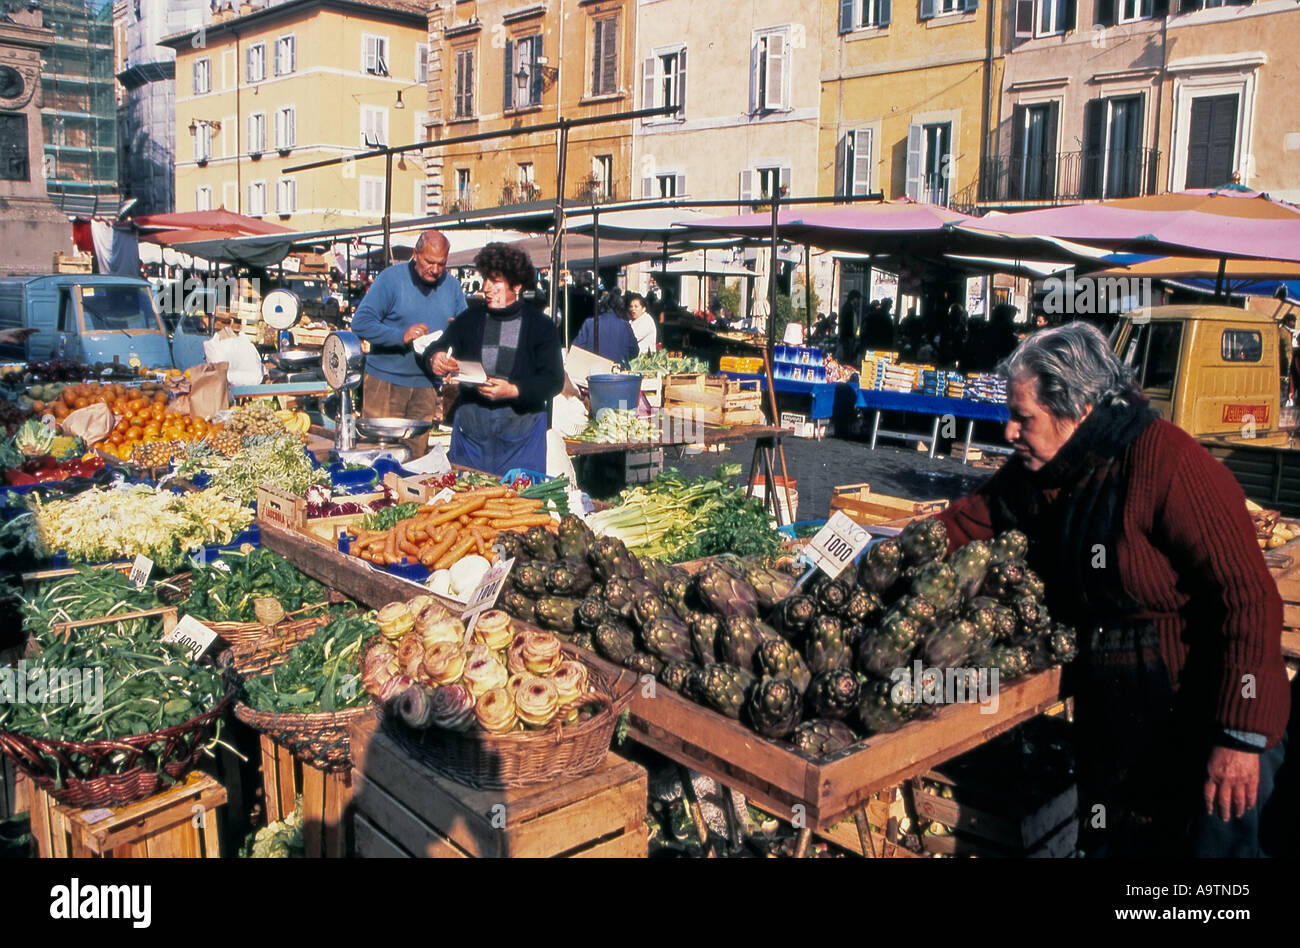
<point x="819" y="466"/>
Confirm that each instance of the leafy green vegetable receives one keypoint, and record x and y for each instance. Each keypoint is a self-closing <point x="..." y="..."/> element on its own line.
<point x="228" y="594"/>
<point x="322" y="673"/>
<point x="661" y="363"/>
<point x="389" y="517"/>
<point x="278" y="460"/>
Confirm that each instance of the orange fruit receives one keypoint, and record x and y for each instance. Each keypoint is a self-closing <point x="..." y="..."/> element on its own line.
<point x="135" y="434"/>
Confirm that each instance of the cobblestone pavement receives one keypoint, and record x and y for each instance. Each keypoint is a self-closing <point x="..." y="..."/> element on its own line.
<point x="819" y="466"/>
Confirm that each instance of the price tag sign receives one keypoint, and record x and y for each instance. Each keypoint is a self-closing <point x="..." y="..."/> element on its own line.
<point x="489" y="588"/>
<point x="140" y="571"/>
<point x="193" y="634"/>
<point x="443" y="496"/>
<point x="836" y="545"/>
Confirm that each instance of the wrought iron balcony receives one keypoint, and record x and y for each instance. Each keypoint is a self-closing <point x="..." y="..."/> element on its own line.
<point x="1068" y="176"/>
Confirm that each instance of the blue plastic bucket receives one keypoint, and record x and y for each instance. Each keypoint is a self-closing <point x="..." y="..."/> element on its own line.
<point x="614" y="391"/>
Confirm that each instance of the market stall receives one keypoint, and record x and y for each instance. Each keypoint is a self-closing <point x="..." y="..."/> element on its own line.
<point x="916" y="403"/>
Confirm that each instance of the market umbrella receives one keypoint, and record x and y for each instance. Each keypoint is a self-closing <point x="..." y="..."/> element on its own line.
<point x="1224" y="223"/>
<point x="761" y="307"/>
<point x="577" y="252"/>
<point x="901" y="230"/>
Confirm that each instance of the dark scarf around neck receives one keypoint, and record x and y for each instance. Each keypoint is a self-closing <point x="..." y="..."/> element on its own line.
<point x="1075" y="533"/>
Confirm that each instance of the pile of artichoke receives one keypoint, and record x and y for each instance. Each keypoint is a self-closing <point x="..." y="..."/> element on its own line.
<point x="421" y="670"/>
<point x="820" y="667"/>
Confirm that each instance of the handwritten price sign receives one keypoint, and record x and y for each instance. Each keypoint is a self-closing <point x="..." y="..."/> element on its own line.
<point x="140" y="571"/>
<point x="193" y="634"/>
<point x="836" y="545"/>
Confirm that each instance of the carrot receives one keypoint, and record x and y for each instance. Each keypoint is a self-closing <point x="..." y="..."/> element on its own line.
<point x="487" y="492"/>
<point x="456" y="509"/>
<point x="527" y="520"/>
<point x="390" y="546"/>
<point x="432" y="553"/>
<point x="463" y="545"/>
<point x="404" y="543"/>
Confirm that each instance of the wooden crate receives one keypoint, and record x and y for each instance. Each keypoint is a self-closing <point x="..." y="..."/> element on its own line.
<point x="715" y="401"/>
<point x="404" y="808"/>
<point x="883" y="842"/>
<point x="71" y="262"/>
<point x="641" y="467"/>
<point x="302" y="336"/>
<point x="326" y="800"/>
<point x="862" y="506"/>
<point x="289" y="511"/>
<point x="1061" y="844"/>
<point x="180" y="822"/>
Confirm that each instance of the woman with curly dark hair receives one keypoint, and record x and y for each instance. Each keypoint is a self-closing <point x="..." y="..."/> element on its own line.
<point x="501" y="424"/>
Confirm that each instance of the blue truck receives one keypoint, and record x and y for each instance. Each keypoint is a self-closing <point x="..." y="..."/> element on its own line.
<point x="88" y="318"/>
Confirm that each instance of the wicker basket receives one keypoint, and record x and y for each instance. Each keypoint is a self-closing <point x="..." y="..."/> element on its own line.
<point x="147" y="773"/>
<point x="524" y="758"/>
<point x="252" y="634"/>
<point x="319" y="739"/>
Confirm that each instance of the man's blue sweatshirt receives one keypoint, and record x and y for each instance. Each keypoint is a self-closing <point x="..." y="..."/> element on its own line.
<point x="396" y="301"/>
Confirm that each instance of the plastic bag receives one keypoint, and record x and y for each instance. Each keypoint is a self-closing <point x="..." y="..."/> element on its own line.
<point x="568" y="415"/>
<point x="244" y="364"/>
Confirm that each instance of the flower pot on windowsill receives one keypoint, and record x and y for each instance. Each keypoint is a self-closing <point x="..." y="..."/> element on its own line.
<point x="255" y="155"/>
<point x="284" y="152"/>
<point x="202" y="162"/>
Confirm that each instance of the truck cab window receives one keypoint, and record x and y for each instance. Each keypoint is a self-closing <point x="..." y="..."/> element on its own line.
<point x="116" y="308"/>
<point x="1241" y="345"/>
<point x="1162" y="358"/>
<point x="67" y="312"/>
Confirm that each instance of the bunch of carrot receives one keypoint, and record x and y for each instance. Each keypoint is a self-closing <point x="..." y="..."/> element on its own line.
<point x="440" y="534"/>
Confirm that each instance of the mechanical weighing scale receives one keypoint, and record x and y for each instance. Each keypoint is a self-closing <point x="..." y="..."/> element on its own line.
<point x="343" y="364"/>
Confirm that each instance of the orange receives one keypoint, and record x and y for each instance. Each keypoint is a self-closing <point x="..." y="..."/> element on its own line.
<point x="135" y="434"/>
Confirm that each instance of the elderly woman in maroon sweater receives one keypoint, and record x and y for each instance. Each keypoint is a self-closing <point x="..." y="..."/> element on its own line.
<point x="1145" y="546"/>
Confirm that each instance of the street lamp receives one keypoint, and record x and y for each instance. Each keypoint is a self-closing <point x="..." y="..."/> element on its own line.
<point x="521" y="85"/>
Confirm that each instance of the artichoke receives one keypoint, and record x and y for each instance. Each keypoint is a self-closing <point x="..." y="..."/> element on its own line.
<point x="796" y="614"/>
<point x="863" y="608"/>
<point x="771" y="586"/>
<point x="917" y="608"/>
<point x="667" y="639"/>
<point x="952" y="645"/>
<point x="541" y="544"/>
<point x="518" y="605"/>
<point x="884" y="705"/>
<point x="1011" y="661"/>
<point x="575" y="538"/>
<point x="923" y="541"/>
<point x="414" y="707"/>
<point x="739" y="642"/>
<point x="1063" y="643"/>
<point x="705" y="631"/>
<point x="615" y="640"/>
<point x="890" y="648"/>
<point x="647" y="607"/>
<point x="833" y="597"/>
<point x="591" y="613"/>
<point x="583" y="640"/>
<point x="826" y="647"/>
<point x="676" y="675"/>
<point x="530" y="579"/>
<point x="619" y="596"/>
<point x="774" y="707"/>
<point x="937" y="584"/>
<point x="724" y="594"/>
<point x="568" y="578"/>
<point x="1032" y="585"/>
<point x="510" y="545"/>
<point x="610" y="558"/>
<point x="982" y="614"/>
<point x="1031" y="614"/>
<point x="833" y="694"/>
<point x="879" y="566"/>
<point x="970" y="563"/>
<point x="821" y="737"/>
<point x="558" y="613"/>
<point x="777" y="658"/>
<point x="1010" y="545"/>
<point x="1002" y="579"/>
<point x="643" y="663"/>
<point x="723" y="688"/>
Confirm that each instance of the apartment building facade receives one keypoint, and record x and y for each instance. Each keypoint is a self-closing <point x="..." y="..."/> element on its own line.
<point x="259" y="91"/>
<point x="504" y="65"/>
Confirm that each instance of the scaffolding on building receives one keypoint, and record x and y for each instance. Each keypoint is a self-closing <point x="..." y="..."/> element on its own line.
<point x="79" y="115"/>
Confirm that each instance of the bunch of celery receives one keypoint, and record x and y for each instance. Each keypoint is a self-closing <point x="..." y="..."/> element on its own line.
<point x="662" y="519"/>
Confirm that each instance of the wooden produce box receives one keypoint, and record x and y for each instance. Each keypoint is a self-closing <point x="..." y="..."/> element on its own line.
<point x="304" y="336"/>
<point x="289" y="511"/>
<point x="403" y="808"/>
<point x="326" y="800"/>
<point x="1004" y="825"/>
<point x="862" y="506"/>
<point x="714" y="401"/>
<point x="828" y="790"/>
<point x="180" y="822"/>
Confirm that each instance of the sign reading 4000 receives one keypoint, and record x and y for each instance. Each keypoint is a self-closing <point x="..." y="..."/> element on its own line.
<point x="837" y="544"/>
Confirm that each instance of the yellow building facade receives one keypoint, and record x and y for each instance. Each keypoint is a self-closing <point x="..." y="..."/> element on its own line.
<point x="909" y="93"/>
<point x="506" y="65"/>
<point x="264" y="90"/>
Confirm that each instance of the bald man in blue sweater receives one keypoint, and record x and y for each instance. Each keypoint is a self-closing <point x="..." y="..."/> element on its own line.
<point x="406" y="301"/>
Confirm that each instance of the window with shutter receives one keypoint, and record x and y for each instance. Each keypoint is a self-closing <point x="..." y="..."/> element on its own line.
<point x="256" y="63"/>
<point x="863" y="14"/>
<point x="286" y="196"/>
<point x="464" y="96"/>
<point x="285" y="55"/>
<point x="915" y="159"/>
<point x="508" y="80"/>
<point x="604" y="56"/>
<point x="203" y="198"/>
<point x="1132" y="10"/>
<point x="1104" y="13"/>
<point x="374" y="126"/>
<point x="375" y="55"/>
<point x="257" y="133"/>
<point x="202" y="76"/>
<point x="284" y="128"/>
<point x="1094" y="144"/>
<point x="421" y="62"/>
<point x="257" y="198"/>
<point x="746" y="186"/>
<point x="771" y="82"/>
<point x="1051" y="17"/>
<point x="1032" y="174"/>
<point x="1211" y="141"/>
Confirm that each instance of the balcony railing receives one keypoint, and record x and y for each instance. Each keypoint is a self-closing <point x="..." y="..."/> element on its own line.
<point x="520" y="193"/>
<point x="1068" y="176"/>
<point x="594" y="191"/>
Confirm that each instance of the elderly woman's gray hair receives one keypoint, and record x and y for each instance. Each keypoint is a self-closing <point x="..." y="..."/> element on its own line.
<point x="1074" y="368"/>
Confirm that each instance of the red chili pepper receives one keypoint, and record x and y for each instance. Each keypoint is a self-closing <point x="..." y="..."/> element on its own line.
<point x="17" y="478"/>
